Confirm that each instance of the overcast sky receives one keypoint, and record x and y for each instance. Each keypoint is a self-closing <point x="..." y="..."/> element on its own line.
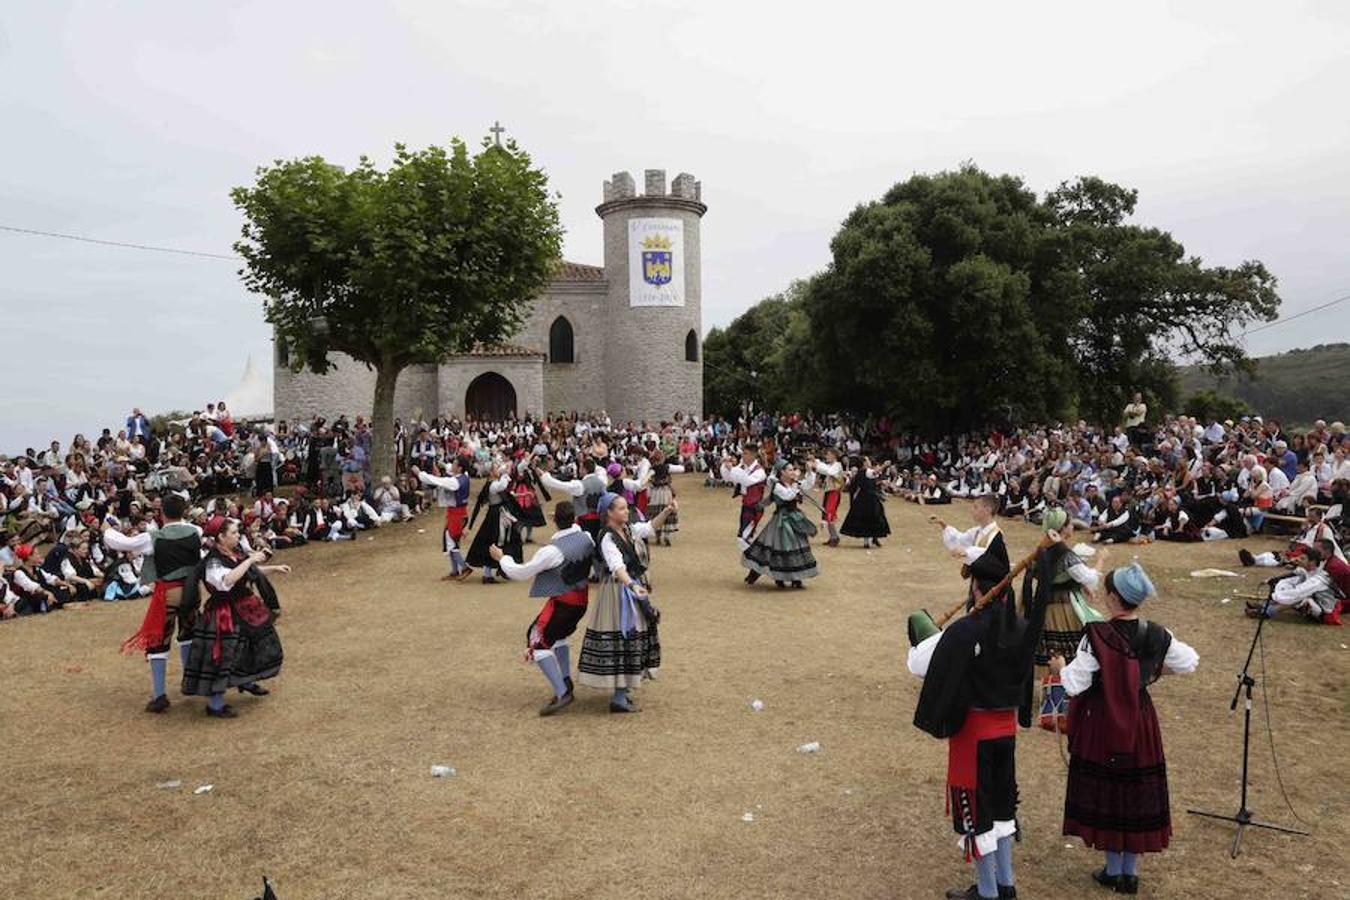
<point x="131" y="122"/>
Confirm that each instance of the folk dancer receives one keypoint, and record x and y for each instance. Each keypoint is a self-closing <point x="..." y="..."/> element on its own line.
<point x="1117" y="798"/>
<point x="621" y="645"/>
<point x="586" y="492"/>
<point x="832" y="481"/>
<point x="559" y="569"/>
<point x="171" y="555"/>
<point x="782" y="550"/>
<point x="499" y="523"/>
<point x="866" y="514"/>
<point x="661" y="493"/>
<point x="234" y="642"/>
<point x="452" y="495"/>
<point x="749" y="478"/>
<point x="523" y="490"/>
<point x="1067" y="614"/>
<point x="976" y="691"/>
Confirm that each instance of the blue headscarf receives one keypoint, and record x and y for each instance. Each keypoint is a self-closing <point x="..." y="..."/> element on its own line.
<point x="1132" y="584"/>
<point x="605" y="501"/>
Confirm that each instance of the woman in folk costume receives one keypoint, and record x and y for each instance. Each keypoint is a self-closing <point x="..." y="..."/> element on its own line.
<point x="1117" y="798"/>
<point x="234" y="642"/>
<point x="524" y="490"/>
<point x="782" y="550"/>
<point x="831" y="473"/>
<point x="866" y="516"/>
<point x="662" y="493"/>
<point x="621" y="644"/>
<point x="976" y="691"/>
<point x="499" y="524"/>
<point x="1066" y="615"/>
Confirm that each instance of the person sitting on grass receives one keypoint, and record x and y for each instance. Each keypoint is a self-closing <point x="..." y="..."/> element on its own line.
<point x="1309" y="591"/>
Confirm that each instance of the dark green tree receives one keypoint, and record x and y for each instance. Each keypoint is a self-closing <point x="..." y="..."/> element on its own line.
<point x="762" y="357"/>
<point x="441" y="251"/>
<point x="1139" y="302"/>
<point x="931" y="307"/>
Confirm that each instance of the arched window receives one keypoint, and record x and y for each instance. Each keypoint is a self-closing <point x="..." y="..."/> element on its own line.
<point x="691" y="346"/>
<point x="560" y="341"/>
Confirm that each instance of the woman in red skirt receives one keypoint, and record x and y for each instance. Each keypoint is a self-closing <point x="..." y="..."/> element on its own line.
<point x="1117" y="795"/>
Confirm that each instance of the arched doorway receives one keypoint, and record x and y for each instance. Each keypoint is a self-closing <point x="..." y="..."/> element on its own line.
<point x="491" y="397"/>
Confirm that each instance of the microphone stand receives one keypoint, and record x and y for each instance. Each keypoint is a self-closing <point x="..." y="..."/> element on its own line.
<point x="1243" y="817"/>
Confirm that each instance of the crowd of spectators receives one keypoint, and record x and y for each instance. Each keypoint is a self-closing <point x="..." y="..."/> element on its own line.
<point x="291" y="483"/>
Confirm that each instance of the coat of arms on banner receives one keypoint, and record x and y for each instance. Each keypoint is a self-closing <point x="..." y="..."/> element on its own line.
<point x="657" y="260"/>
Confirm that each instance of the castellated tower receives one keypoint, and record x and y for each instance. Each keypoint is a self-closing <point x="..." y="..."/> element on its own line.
<point x="653" y="314"/>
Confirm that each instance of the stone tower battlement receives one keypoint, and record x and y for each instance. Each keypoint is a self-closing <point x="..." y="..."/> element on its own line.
<point x="621" y="187"/>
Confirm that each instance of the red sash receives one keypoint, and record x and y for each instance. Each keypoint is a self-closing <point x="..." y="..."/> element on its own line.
<point x="454" y="521"/>
<point x="151" y="632"/>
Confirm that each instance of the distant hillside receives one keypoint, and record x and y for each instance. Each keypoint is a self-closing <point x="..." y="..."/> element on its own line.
<point x="1296" y="387"/>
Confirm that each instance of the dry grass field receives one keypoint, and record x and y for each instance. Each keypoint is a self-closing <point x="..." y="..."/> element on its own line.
<point x="325" y="785"/>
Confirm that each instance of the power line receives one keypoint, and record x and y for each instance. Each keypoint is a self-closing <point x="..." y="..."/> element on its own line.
<point x="1297" y="315"/>
<point x="89" y="240"/>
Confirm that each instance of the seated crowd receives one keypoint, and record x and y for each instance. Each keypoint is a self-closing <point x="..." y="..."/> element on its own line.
<point x="1178" y="481"/>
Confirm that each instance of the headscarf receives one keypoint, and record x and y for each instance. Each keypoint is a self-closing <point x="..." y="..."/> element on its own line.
<point x="602" y="506"/>
<point x="1054" y="519"/>
<point x="1132" y="584"/>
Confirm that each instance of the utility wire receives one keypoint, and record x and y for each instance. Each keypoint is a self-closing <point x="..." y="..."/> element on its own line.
<point x="1298" y="315"/>
<point x="89" y="240"/>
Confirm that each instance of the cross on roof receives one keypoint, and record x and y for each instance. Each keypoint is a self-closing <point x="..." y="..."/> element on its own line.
<point x="497" y="130"/>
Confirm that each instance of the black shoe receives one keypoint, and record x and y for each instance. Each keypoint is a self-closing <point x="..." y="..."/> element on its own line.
<point x="225" y="712"/>
<point x="1106" y="881"/>
<point x="798" y="585"/>
<point x="158" y="705"/>
<point x="1007" y="892"/>
<point x="622" y="707"/>
<point x="1245" y="557"/>
<point x="970" y="893"/>
<point x="780" y="585"/>
<point x="876" y="543"/>
<point x="751" y="577"/>
<point x="556" y="705"/>
<point x="1128" y="884"/>
<point x="256" y="690"/>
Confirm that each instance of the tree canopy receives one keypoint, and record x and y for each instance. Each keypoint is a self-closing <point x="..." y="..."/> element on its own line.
<point x="962" y="299"/>
<point x="441" y="251"/>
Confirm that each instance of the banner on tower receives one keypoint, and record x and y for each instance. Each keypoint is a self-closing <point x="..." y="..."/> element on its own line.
<point x="655" y="262"/>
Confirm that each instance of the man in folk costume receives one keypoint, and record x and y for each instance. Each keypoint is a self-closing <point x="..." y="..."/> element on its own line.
<point x="1117" y="799"/>
<point x="832" y="480"/>
<point x="499" y="522"/>
<point x="452" y="494"/>
<point x="171" y="554"/>
<point x="750" y="480"/>
<point x="976" y="691"/>
<point x="586" y="491"/>
<point x="983" y="554"/>
<point x="560" y="569"/>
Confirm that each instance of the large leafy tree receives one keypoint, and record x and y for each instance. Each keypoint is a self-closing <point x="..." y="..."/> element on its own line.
<point x="761" y="358"/>
<point x="960" y="299"/>
<point x="441" y="251"/>
<point x="932" y="304"/>
<point x="1139" y="301"/>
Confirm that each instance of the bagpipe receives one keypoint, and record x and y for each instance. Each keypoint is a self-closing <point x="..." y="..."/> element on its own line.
<point x="922" y="625"/>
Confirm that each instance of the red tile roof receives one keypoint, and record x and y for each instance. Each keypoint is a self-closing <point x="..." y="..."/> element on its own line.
<point x="504" y="350"/>
<point x="571" y="271"/>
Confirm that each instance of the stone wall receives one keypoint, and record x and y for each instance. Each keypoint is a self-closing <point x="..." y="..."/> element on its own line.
<point x="526" y="374"/>
<point x="349" y="388"/>
<point x="579" y="385"/>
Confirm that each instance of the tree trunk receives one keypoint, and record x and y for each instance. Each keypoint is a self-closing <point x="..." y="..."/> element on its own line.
<point x="382" y="460"/>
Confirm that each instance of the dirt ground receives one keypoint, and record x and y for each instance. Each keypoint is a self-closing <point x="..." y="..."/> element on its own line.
<point x="325" y="785"/>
